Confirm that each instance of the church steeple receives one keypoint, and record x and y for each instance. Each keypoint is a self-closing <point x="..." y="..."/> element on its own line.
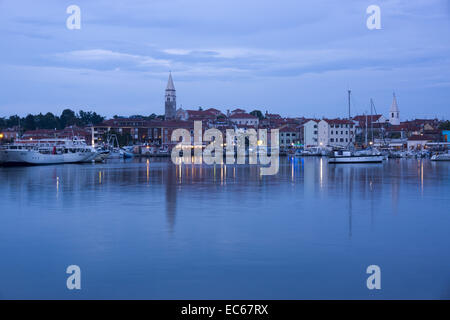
<point x="170" y="85"/>
<point x="170" y="99"/>
<point x="394" y="113"/>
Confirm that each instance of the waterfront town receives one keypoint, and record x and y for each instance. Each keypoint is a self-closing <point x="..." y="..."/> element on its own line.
<point x="375" y="129"/>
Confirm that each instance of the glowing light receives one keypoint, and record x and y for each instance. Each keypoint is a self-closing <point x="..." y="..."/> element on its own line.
<point x="260" y="142"/>
<point x="1" y="135"/>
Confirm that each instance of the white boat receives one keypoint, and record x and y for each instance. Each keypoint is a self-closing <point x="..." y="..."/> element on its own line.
<point x="343" y="156"/>
<point x="441" y="157"/>
<point x="46" y="151"/>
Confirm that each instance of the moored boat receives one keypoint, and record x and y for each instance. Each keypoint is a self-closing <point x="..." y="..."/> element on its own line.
<point x="441" y="157"/>
<point x="344" y="156"/>
<point x="46" y="151"/>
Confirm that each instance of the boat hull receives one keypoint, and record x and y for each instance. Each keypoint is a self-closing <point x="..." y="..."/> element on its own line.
<point x="24" y="157"/>
<point x="441" y="157"/>
<point x="356" y="159"/>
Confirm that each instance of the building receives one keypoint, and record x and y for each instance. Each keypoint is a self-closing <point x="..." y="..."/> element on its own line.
<point x="418" y="142"/>
<point x="289" y="136"/>
<point x="243" y="118"/>
<point x="446" y="135"/>
<point x="329" y="132"/>
<point x="170" y="100"/>
<point x="9" y="134"/>
<point x="394" y="112"/>
<point x="336" y="132"/>
<point x="311" y="133"/>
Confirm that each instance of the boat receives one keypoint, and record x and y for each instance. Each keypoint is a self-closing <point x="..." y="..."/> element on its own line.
<point x="346" y="156"/>
<point x="46" y="151"/>
<point x="126" y="152"/>
<point x="441" y="157"/>
<point x="309" y="152"/>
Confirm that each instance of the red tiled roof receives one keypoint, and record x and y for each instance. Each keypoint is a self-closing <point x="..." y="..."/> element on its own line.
<point x="338" y="121"/>
<point x="242" y="116"/>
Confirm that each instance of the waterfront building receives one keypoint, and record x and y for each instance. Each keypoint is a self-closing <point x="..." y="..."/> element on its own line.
<point x="446" y="135"/>
<point x="336" y="132"/>
<point x="170" y="100"/>
<point x="311" y="133"/>
<point x="289" y="136"/>
<point x="243" y="118"/>
<point x="418" y="142"/>
<point x="329" y="132"/>
<point x="394" y="112"/>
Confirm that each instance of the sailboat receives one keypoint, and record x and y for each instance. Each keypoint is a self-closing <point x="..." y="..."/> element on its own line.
<point x="351" y="156"/>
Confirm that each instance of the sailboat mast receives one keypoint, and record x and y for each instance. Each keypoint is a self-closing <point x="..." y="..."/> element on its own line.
<point x="349" y="93"/>
<point x="371" y="120"/>
<point x="365" y="131"/>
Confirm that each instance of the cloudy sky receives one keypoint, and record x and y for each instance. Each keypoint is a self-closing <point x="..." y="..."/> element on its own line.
<point x="296" y="58"/>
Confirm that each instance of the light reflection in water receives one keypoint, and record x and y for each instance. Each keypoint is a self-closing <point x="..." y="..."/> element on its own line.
<point x="307" y="217"/>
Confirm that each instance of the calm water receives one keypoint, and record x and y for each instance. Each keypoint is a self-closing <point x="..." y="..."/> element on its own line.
<point x="149" y="230"/>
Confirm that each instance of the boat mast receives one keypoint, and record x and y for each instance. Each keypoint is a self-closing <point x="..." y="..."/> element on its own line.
<point x="372" y="106"/>
<point x="365" y="130"/>
<point x="349" y="93"/>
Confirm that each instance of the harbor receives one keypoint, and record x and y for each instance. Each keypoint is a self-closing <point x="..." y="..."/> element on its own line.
<point x="162" y="231"/>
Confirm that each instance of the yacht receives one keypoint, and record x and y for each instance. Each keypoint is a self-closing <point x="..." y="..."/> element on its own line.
<point x="441" y="157"/>
<point x="345" y="156"/>
<point x="47" y="151"/>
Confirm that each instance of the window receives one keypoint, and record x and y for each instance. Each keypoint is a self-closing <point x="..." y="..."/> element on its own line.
<point x="331" y="131"/>
<point x="350" y="139"/>
<point x="342" y="132"/>
<point x="315" y="126"/>
<point x="332" y="140"/>
<point x="315" y="132"/>
<point x="346" y="140"/>
<point x="288" y="134"/>
<point x="346" y="132"/>
<point x="342" y="139"/>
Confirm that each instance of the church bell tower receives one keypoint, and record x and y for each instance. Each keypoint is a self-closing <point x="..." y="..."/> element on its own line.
<point x="170" y="100"/>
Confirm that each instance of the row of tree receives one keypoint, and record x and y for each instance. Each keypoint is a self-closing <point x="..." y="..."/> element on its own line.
<point x="50" y="121"/>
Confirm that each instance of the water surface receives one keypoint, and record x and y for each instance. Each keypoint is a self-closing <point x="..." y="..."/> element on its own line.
<point x="143" y="229"/>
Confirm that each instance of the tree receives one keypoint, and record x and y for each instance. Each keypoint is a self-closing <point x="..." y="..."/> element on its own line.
<point x="445" y="125"/>
<point x="87" y="118"/>
<point x="29" y="123"/>
<point x="68" y="118"/>
<point x="13" y="121"/>
<point x="257" y="114"/>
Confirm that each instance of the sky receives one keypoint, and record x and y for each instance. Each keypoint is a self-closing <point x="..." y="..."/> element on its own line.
<point x="295" y="58"/>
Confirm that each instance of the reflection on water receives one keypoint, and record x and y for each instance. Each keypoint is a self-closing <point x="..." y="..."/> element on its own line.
<point x="146" y="228"/>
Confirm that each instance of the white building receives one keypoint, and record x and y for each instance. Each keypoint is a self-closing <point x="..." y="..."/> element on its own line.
<point x="394" y="113"/>
<point x="336" y="132"/>
<point x="329" y="132"/>
<point x="310" y="133"/>
<point x="244" y="119"/>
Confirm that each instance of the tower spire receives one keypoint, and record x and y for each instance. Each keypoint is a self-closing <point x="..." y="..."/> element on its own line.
<point x="394" y="112"/>
<point x="170" y="99"/>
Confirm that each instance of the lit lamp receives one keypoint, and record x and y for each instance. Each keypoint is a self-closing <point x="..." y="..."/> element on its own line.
<point x="1" y="136"/>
